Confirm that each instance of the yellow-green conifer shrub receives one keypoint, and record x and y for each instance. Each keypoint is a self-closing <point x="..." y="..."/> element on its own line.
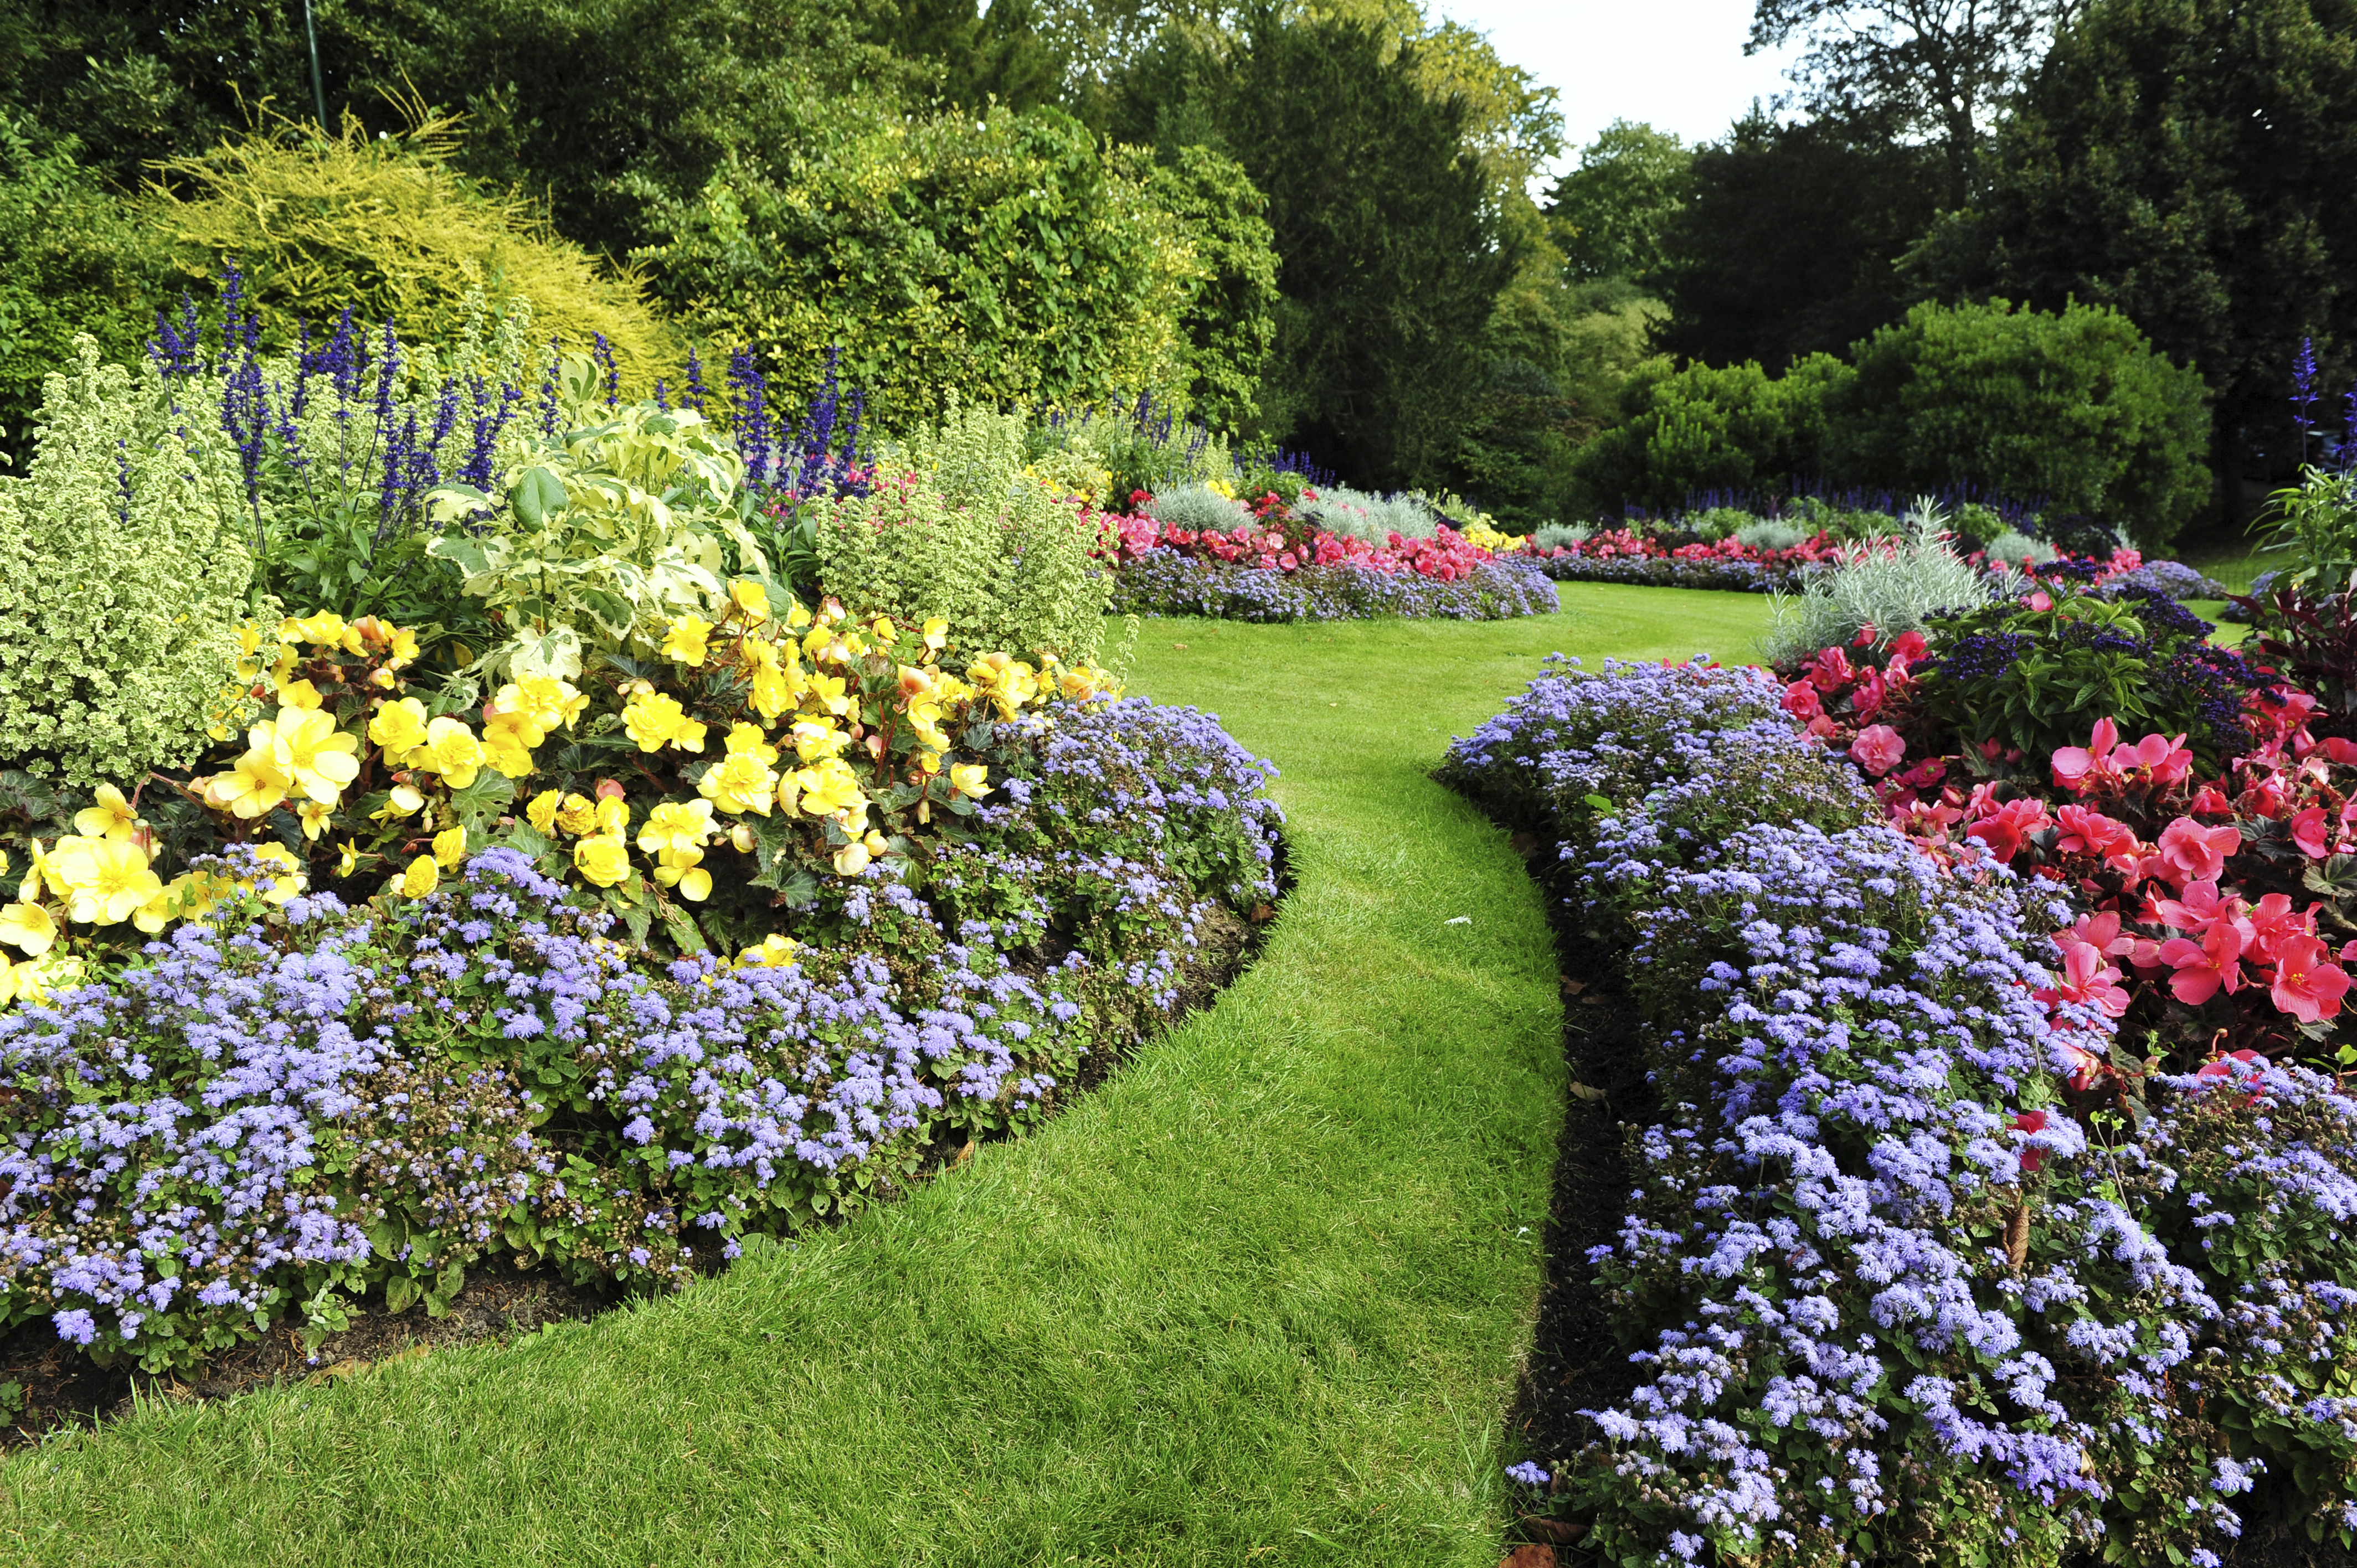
<point x="124" y="564"/>
<point x="389" y="227"/>
<point x="955" y="528"/>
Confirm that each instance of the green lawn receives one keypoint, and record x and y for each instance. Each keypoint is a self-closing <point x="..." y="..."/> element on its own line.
<point x="1259" y="1299"/>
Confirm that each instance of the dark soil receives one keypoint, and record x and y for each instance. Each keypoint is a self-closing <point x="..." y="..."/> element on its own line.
<point x="47" y="1383"/>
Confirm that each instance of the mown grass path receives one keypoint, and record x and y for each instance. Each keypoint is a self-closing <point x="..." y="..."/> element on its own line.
<point x="1258" y="1299"/>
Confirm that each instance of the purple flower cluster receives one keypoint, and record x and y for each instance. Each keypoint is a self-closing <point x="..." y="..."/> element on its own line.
<point x="2165" y="579"/>
<point x="283" y="1109"/>
<point x="1165" y="582"/>
<point x="1678" y="572"/>
<point x="1895" y="1289"/>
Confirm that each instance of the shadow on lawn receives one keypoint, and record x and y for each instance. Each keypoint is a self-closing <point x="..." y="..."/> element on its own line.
<point x="48" y="1384"/>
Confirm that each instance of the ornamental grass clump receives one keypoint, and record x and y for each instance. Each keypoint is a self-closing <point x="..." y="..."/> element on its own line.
<point x="1898" y="1288"/>
<point x="1890" y="587"/>
<point x="126" y="555"/>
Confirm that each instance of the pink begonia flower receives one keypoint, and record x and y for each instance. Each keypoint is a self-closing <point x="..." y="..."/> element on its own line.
<point x="2308" y="985"/>
<point x="2007" y="830"/>
<point x="2073" y="763"/>
<point x="2040" y="600"/>
<point x="1801" y="702"/>
<point x="1908" y="645"/>
<point x="2086" y="978"/>
<point x="2088" y="832"/>
<point x="2210" y="801"/>
<point x="2191" y="853"/>
<point x="1829" y="668"/>
<point x="2274" y="921"/>
<point x="1878" y="750"/>
<point x="2339" y="750"/>
<point x="2205" y="967"/>
<point x="2308" y="831"/>
<point x="1864" y="638"/>
<point x="2033" y="1156"/>
<point x="2196" y="909"/>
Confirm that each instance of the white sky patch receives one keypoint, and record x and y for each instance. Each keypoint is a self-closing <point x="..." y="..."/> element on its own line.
<point x="1678" y="65"/>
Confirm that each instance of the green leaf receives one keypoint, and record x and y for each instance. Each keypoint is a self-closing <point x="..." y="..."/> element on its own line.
<point x="400" y="1291"/>
<point x="537" y="493"/>
<point x="681" y="926"/>
<point x="479" y="804"/>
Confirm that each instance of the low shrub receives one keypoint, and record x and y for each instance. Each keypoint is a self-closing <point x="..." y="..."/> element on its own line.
<point x="953" y="526"/>
<point x="1167" y="583"/>
<point x="1900" y="1288"/>
<point x="1338" y="509"/>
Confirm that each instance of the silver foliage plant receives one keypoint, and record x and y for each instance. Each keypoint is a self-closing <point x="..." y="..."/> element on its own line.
<point x="1890" y="586"/>
<point x="1198" y="509"/>
<point x="1361" y="515"/>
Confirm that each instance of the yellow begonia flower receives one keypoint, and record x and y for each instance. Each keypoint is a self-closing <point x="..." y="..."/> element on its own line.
<point x="111" y="818"/>
<point x="677" y="824"/>
<point x="970" y="778"/>
<point x="28" y="926"/>
<point x="937" y="634"/>
<point x="8" y="972"/>
<point x="34" y="981"/>
<point x="578" y="815"/>
<point x="401" y="800"/>
<point x="817" y="739"/>
<point x="830" y="786"/>
<point x="257" y="783"/>
<point x="249" y="639"/>
<point x="325" y="628"/>
<point x="798" y="617"/>
<point x="451" y="750"/>
<point x="106" y="879"/>
<point x="751" y="597"/>
<point x="1078" y="684"/>
<point x="156" y="913"/>
<point x="852" y="859"/>
<point x="742" y="782"/>
<point x="749" y="740"/>
<point x="400" y="728"/>
<point x="422" y="878"/>
<point x="886" y="633"/>
<point x="513" y="761"/>
<point x="542" y="813"/>
<point x="877" y="842"/>
<point x="451" y="847"/>
<point x="540" y="703"/>
<point x="318" y="758"/>
<point x="603" y="859"/>
<point x="314" y="815"/>
<point x="828" y="692"/>
<point x="778" y="688"/>
<point x="775" y="949"/>
<point x="686" y="639"/>
<point x="405" y="647"/>
<point x="613" y="814"/>
<point x="299" y="694"/>
<point x="655" y="720"/>
<point x="348" y="857"/>
<point x="678" y="869"/>
<point x="38" y="872"/>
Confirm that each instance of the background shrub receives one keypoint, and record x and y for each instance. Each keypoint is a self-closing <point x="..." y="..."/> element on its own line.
<point x="2075" y="408"/>
<point x="1008" y="256"/>
<point x="1704" y="427"/>
<point x="126" y="553"/>
<point x="79" y="262"/>
<point x="389" y="227"/>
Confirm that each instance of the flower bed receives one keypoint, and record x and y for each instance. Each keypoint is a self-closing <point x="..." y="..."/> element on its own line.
<point x="1629" y="555"/>
<point x="399" y="1020"/>
<point x="1901" y="1283"/>
<point x="1164" y="582"/>
<point x="1281" y="567"/>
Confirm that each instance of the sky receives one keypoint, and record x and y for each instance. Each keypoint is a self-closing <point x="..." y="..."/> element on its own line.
<point x="1678" y="65"/>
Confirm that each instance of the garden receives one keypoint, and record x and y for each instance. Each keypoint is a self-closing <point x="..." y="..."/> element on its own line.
<point x="868" y="790"/>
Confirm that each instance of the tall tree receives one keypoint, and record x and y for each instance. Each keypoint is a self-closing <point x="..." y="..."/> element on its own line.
<point x="1790" y="244"/>
<point x="2184" y="161"/>
<point x="1608" y="215"/>
<point x="1387" y="232"/>
<point x="1933" y="68"/>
